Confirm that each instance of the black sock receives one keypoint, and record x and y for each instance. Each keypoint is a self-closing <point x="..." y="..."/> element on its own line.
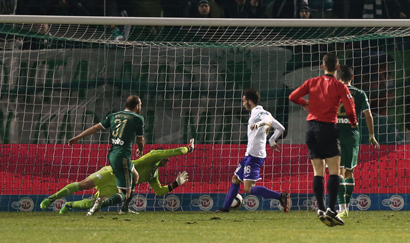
<point x="318" y="188"/>
<point x="333" y="188"/>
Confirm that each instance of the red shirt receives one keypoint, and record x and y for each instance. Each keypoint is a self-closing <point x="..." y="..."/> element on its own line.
<point x="325" y="93"/>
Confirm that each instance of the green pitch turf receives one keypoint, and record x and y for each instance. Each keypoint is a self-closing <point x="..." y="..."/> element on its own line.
<point x="178" y="227"/>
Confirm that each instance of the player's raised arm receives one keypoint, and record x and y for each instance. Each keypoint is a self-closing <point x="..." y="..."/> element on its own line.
<point x="87" y="132"/>
<point x="349" y="105"/>
<point x="370" y="127"/>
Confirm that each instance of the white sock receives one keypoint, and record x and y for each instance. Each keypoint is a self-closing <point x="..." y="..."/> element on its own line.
<point x="342" y="208"/>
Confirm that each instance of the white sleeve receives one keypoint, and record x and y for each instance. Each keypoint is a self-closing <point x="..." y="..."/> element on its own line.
<point x="279" y="129"/>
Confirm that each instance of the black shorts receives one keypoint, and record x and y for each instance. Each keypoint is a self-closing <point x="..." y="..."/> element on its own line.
<point x="322" y="140"/>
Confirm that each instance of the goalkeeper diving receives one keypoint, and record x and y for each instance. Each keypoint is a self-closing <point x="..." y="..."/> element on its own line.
<point x="104" y="182"/>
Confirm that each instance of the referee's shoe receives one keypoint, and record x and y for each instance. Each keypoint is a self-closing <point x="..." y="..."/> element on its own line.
<point x="334" y="218"/>
<point x="322" y="216"/>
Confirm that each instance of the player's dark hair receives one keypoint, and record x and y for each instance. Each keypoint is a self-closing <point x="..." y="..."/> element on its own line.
<point x="345" y="73"/>
<point x="159" y="148"/>
<point x="131" y="102"/>
<point x="252" y="95"/>
<point x="330" y="61"/>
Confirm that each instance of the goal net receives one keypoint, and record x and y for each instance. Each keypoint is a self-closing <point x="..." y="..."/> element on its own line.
<point x="60" y="76"/>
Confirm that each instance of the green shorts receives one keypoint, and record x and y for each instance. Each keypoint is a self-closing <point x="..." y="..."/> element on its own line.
<point x="104" y="182"/>
<point x="122" y="168"/>
<point x="349" y="145"/>
<point x="349" y="155"/>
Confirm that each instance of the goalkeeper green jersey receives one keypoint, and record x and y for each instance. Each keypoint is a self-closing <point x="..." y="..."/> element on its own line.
<point x="147" y="167"/>
<point x="125" y="126"/>
<point x="346" y="132"/>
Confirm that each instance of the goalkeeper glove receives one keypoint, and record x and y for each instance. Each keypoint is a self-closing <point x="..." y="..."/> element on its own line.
<point x="180" y="180"/>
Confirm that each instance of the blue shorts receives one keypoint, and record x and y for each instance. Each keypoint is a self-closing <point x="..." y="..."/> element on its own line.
<point x="248" y="169"/>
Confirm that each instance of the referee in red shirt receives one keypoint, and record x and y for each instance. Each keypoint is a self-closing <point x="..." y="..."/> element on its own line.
<point x="325" y="93"/>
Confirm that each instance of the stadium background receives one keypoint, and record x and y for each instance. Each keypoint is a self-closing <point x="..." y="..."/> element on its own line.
<point x="49" y="94"/>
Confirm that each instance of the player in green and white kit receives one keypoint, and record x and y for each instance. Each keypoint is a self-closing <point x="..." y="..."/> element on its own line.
<point x="125" y="126"/>
<point x="104" y="181"/>
<point x="350" y="139"/>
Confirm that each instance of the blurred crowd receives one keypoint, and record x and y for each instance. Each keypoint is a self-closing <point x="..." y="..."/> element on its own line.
<point x="352" y="9"/>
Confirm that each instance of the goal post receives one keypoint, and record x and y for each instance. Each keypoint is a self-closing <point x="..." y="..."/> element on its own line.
<point x="62" y="74"/>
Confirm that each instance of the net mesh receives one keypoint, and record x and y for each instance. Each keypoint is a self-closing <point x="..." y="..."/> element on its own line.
<point x="58" y="80"/>
<point x="202" y="36"/>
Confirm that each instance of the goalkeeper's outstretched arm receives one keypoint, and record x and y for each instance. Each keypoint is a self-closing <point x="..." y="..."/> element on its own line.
<point x="162" y="190"/>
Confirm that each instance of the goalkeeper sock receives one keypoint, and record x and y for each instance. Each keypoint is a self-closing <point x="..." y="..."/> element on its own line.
<point x="318" y="188"/>
<point x="264" y="192"/>
<point x="126" y="203"/>
<point x="233" y="191"/>
<point x="349" y="189"/>
<point x="341" y="197"/>
<point x="113" y="200"/>
<point x="333" y="189"/>
<point x="67" y="190"/>
<point x="83" y="204"/>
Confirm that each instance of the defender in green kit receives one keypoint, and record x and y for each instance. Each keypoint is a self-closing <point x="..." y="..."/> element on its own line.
<point x="350" y="139"/>
<point x="125" y="126"/>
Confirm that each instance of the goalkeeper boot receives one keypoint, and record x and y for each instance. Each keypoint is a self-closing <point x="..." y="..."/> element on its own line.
<point x="45" y="203"/>
<point x="191" y="145"/>
<point x="96" y="207"/>
<point x="344" y="214"/>
<point x="334" y="218"/>
<point x="322" y="216"/>
<point x="284" y="201"/>
<point x="67" y="206"/>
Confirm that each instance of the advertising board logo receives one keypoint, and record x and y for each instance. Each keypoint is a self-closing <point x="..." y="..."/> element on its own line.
<point x="25" y="204"/>
<point x="274" y="203"/>
<point x="204" y="202"/>
<point x="395" y="202"/>
<point x="171" y="202"/>
<point x="251" y="203"/>
<point x="362" y="202"/>
<point x="311" y="203"/>
<point x="139" y="203"/>
<point x="58" y="204"/>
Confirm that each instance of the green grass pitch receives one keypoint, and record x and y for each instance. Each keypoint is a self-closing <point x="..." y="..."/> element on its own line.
<point x="178" y="227"/>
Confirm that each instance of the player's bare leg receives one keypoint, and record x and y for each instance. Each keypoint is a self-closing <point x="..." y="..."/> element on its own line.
<point x="69" y="189"/>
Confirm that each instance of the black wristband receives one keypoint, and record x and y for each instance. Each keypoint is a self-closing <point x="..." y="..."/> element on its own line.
<point x="173" y="185"/>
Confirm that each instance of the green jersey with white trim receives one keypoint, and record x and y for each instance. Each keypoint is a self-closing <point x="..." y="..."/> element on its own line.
<point x="361" y="104"/>
<point x="125" y="126"/>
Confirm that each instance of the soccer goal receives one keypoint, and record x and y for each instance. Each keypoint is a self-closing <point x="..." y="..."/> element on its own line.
<point x="60" y="75"/>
